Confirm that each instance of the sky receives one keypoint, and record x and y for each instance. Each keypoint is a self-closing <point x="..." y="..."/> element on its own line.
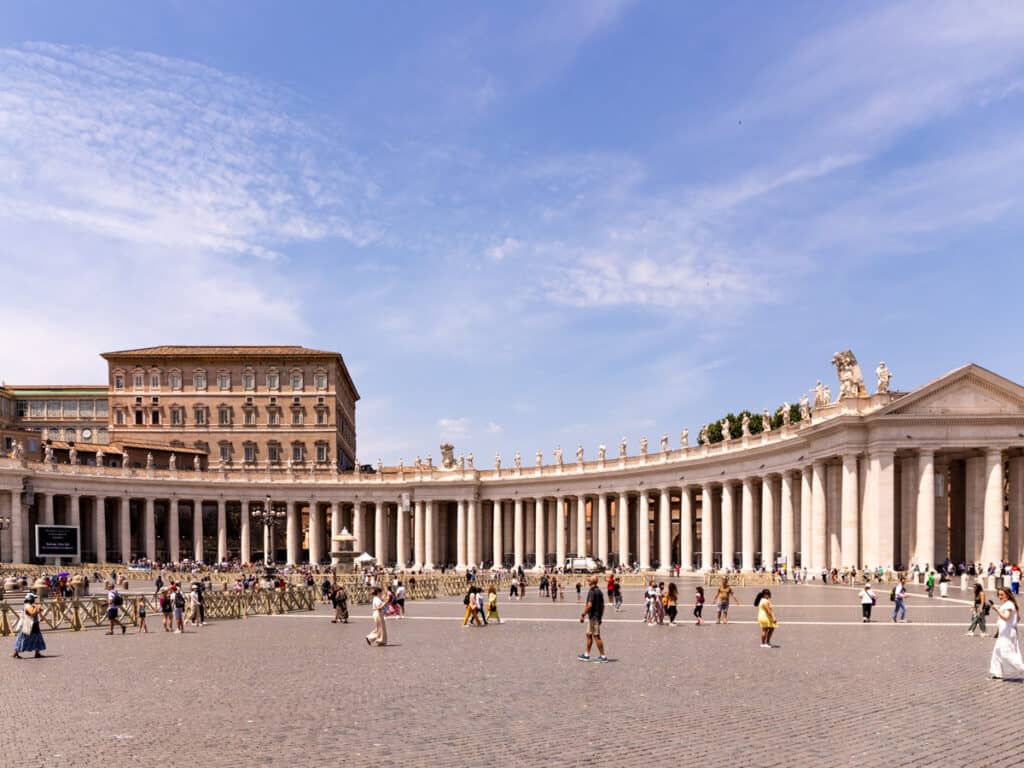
<point x="523" y="225"/>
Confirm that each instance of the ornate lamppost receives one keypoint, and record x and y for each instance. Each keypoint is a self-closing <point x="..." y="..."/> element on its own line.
<point x="270" y="516"/>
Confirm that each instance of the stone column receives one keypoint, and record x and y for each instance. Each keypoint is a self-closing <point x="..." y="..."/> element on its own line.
<point x="222" y="530"/>
<point x="380" y="544"/>
<point x="818" y="510"/>
<point x="197" y="529"/>
<point x="75" y="519"/>
<point x="602" y="528"/>
<point x="881" y="484"/>
<point x="849" y="513"/>
<point x="786" y="516"/>
<point x="99" y="527"/>
<point x="149" y="525"/>
<point x="429" y="537"/>
<point x="707" y="527"/>
<point x="125" y="529"/>
<point x="1016" y="542"/>
<point x="472" y="534"/>
<point x="685" y="529"/>
<point x="644" y="537"/>
<point x="518" y="533"/>
<point x="992" y="525"/>
<point x="538" y="532"/>
<point x="419" y="545"/>
<point x="747" y="521"/>
<point x="336" y="527"/>
<point x="173" y="531"/>
<point x="622" y="528"/>
<point x="460" y="534"/>
<point x="728" y="532"/>
<point x="768" y="523"/>
<point x="496" y="539"/>
<point x="665" y="532"/>
<point x="925" y="517"/>
<point x="245" y="535"/>
<point x="18" y="525"/>
<point x="401" y="535"/>
<point x="46" y="516"/>
<point x="315" y="535"/>
<point x="559" y="531"/>
<point x="293" y="533"/>
<point x="359" y="538"/>
<point x="806" y="492"/>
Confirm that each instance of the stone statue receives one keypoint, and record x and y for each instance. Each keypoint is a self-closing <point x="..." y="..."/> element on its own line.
<point x="172" y="462"/>
<point x="18" y="452"/>
<point x="601" y="451"/>
<point x="73" y="456"/>
<point x="745" y="424"/>
<point x="643" y="445"/>
<point x="851" y="381"/>
<point x="196" y="464"/>
<point x="430" y="462"/>
<point x="517" y="460"/>
<point x="558" y="455"/>
<point x="380" y="466"/>
<point x="884" y="377"/>
<point x="48" y="454"/>
<point x="579" y="452"/>
<point x="684" y="438"/>
<point x="622" y="448"/>
<point x="149" y="460"/>
<point x="664" y="443"/>
<point x="401" y="466"/>
<point x="702" y="436"/>
<point x="462" y="462"/>
<point x="469" y="460"/>
<point x="124" y="458"/>
<point x="785" y="414"/>
<point x="418" y="464"/>
<point x="726" y="430"/>
<point x="826" y="395"/>
<point x="805" y="408"/>
<point x="497" y="461"/>
<point x="819" y="394"/>
<point x="447" y="456"/>
<point x="539" y="458"/>
<point x="100" y="456"/>
<point x="766" y="421"/>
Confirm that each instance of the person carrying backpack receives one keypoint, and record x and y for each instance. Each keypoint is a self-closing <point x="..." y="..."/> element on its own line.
<point x="898" y="595"/>
<point x="179" y="610"/>
<point x="114" y="603"/>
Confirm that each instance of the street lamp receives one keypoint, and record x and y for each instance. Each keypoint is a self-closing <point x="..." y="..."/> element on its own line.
<point x="270" y="516"/>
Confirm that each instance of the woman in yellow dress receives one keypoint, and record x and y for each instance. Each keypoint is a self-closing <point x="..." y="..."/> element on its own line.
<point x="766" y="618"/>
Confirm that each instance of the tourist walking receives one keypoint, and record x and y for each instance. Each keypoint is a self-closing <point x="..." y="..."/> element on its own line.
<point x="618" y="595"/>
<point x="379" y="635"/>
<point x="179" y="609"/>
<point x="579" y="591"/>
<point x="672" y="603"/>
<point x="1006" y="663"/>
<point x="400" y="599"/>
<point x="29" y="637"/>
<point x="899" y="599"/>
<point x="723" y="597"/>
<point x="592" y="615"/>
<point x="553" y="587"/>
<point x="339" y="599"/>
<point x="140" y="610"/>
<point x="867" y="602"/>
<point x="978" y="612"/>
<point x="698" y="605"/>
<point x="492" y="604"/>
<point x="929" y="584"/>
<point x="513" y="589"/>
<point x="944" y="584"/>
<point x="472" y="608"/>
<point x="114" y="603"/>
<point x="766" y="618"/>
<point x="166" y="606"/>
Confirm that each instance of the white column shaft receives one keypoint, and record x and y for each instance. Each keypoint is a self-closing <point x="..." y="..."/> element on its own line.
<point x="707" y="528"/>
<point x="418" y="535"/>
<point x="472" y="534"/>
<point x="460" y="534"/>
<point x="173" y="532"/>
<point x="75" y="519"/>
<point x="222" y="531"/>
<point x="849" y="512"/>
<point x="380" y="539"/>
<point x="728" y="528"/>
<point x="150" y="527"/>
<point x="768" y="523"/>
<point x="244" y="535"/>
<point x="429" y="537"/>
<point x="602" y="528"/>
<point x="99" y="528"/>
<point x="518" y="533"/>
<point x="559" y="532"/>
<point x="747" y="521"/>
<point x="818" y="530"/>
<point x="581" y="527"/>
<point x="685" y="529"/>
<point x="645" y="532"/>
<point x="538" y="532"/>
<point x="197" y="530"/>
<point x="622" y="528"/>
<point x="126" y="530"/>
<point x="786" y="519"/>
<point x="806" y="483"/>
<point x="401" y="536"/>
<point x="664" y="531"/>
<point x="992" y="525"/>
<point x="293" y="534"/>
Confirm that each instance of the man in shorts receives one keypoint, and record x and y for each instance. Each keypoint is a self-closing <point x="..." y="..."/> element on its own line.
<point x="592" y="615"/>
<point x="723" y="597"/>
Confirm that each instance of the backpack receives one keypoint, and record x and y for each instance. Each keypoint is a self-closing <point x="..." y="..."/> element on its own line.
<point x="179" y="600"/>
<point x="465" y="600"/>
<point x="892" y="595"/>
<point x="118" y="600"/>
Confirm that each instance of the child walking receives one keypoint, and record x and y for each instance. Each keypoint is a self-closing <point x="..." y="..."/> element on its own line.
<point x="698" y="605"/>
<point x="141" y="604"/>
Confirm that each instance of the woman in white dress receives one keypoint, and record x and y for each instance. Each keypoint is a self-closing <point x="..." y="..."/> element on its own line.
<point x="1006" y="660"/>
<point x="379" y="635"/>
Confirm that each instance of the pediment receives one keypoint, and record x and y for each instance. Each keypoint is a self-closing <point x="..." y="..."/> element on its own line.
<point x="971" y="394"/>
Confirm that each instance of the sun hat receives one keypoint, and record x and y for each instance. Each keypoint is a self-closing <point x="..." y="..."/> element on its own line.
<point x="30" y="597"/>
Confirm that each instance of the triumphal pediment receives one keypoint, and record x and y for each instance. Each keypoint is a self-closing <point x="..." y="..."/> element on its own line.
<point x="968" y="391"/>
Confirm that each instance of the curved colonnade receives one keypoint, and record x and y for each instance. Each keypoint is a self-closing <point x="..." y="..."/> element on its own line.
<point x="884" y="480"/>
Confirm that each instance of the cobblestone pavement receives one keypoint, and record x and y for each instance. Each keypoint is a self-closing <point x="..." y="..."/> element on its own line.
<point x="297" y="690"/>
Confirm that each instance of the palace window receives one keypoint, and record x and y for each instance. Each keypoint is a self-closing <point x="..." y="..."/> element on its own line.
<point x="296" y="382"/>
<point x="21" y="408"/>
<point x="249" y="381"/>
<point x="298" y="453"/>
<point x="225" y="452"/>
<point x="321" y="416"/>
<point x="321" y="453"/>
<point x="85" y="408"/>
<point x="177" y="416"/>
<point x="139" y="381"/>
<point x="320" y="381"/>
<point x="138" y="418"/>
<point x="250" y="417"/>
<point x="200" y="416"/>
<point x="175" y="381"/>
<point x="154" y="381"/>
<point x="274" y="417"/>
<point x="154" y="417"/>
<point x="224" y="416"/>
<point x="101" y="408"/>
<point x="70" y="409"/>
<point x="224" y="382"/>
<point x="53" y="408"/>
<point x="296" y="418"/>
<point x="119" y="381"/>
<point x="70" y="434"/>
<point x="250" y="453"/>
<point x="273" y="382"/>
<point x="119" y="417"/>
<point x="199" y="380"/>
<point x="53" y="433"/>
<point x="103" y="435"/>
<point x="37" y="408"/>
<point x="273" y="453"/>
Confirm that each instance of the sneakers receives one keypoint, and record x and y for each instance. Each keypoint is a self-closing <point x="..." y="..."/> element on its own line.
<point x="601" y="660"/>
<point x="583" y="656"/>
<point x="971" y="633"/>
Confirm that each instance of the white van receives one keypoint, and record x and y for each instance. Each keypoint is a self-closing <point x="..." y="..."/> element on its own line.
<point x="582" y="565"/>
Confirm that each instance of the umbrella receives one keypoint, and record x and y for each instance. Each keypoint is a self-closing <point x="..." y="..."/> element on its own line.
<point x="366" y="557"/>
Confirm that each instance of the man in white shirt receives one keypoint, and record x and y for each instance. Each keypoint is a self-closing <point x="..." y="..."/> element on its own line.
<point x="899" y="596"/>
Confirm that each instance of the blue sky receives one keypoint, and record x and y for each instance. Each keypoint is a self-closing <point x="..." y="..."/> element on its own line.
<point x="523" y="225"/>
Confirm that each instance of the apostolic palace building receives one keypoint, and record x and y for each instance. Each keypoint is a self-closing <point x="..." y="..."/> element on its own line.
<point x="173" y="456"/>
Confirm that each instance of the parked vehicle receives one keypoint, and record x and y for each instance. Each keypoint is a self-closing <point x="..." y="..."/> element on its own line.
<point x="583" y="565"/>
